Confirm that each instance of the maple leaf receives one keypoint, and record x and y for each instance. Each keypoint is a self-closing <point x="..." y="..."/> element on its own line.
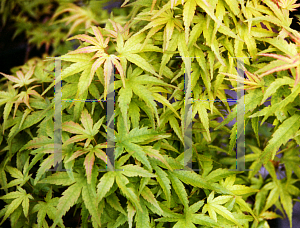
<point x="166" y="18"/>
<point x="21" y="80"/>
<point x="189" y="12"/>
<point x="46" y="208"/>
<point x="118" y="29"/>
<point x="288" y="4"/>
<point x="87" y="133"/>
<point x="108" y="179"/>
<point x="76" y="188"/>
<point x="20" y="180"/>
<point x="98" y="42"/>
<point x="252" y="82"/>
<point x="236" y="189"/>
<point x="79" y="15"/>
<point x="136" y="136"/>
<point x="23" y="97"/>
<point x="136" y="85"/>
<point x="109" y="61"/>
<point x="283" y="189"/>
<point x="91" y="151"/>
<point x="101" y="57"/>
<point x="292" y="61"/>
<point x="213" y="206"/>
<point x="20" y="197"/>
<point x="189" y="218"/>
<point x="173" y="3"/>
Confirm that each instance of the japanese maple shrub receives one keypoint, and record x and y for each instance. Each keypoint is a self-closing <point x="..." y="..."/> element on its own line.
<point x="151" y="186"/>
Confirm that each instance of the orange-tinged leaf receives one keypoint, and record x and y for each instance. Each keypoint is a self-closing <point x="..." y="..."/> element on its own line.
<point x="72" y="127"/>
<point x="11" y="78"/>
<point x="245" y="82"/>
<point x="119" y="67"/>
<point x="74" y="139"/>
<point x="88" y="49"/>
<point x="252" y="77"/>
<point x="76" y="155"/>
<point x="108" y="67"/>
<point x="279" y="68"/>
<point x="88" y="163"/>
<point x="84" y="38"/>
<point x="21" y="80"/>
<point x="280" y="57"/>
<point x="98" y="35"/>
<point x="100" y="154"/>
<point x="96" y="65"/>
<point x="86" y="121"/>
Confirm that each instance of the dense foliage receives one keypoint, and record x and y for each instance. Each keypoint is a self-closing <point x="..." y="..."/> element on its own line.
<point x="151" y="186"/>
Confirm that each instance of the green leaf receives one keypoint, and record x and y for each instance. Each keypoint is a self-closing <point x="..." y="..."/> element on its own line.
<point x="149" y="196"/>
<point x="11" y="208"/>
<point x="213" y="206"/>
<point x="141" y="62"/>
<point x="196" y="180"/>
<point x="182" y="47"/>
<point x="282" y="45"/>
<point x="114" y="201"/>
<point x="243" y="205"/>
<point x="131" y="212"/>
<point x="45" y="165"/>
<point x="234" y="6"/>
<point x="69" y="198"/>
<point x="21" y="197"/>
<point x="219" y="174"/>
<point x="166" y="56"/>
<point x="275" y="85"/>
<point x="285" y="131"/>
<point x="125" y="95"/>
<point x="179" y="189"/>
<point x="252" y="100"/>
<point x="142" y="217"/>
<point x="254" y="122"/>
<point x="134" y="170"/>
<point x="204" y="220"/>
<point x="76" y="68"/>
<point x="175" y="126"/>
<point x="88" y="196"/>
<point x="134" y="113"/>
<point x="84" y="82"/>
<point x="60" y="178"/>
<point x="286" y="201"/>
<point x="128" y="191"/>
<point x="139" y="153"/>
<point x="105" y="184"/>
<point x="164" y="182"/>
<point x="164" y="101"/>
<point x="188" y="14"/>
<point x="200" y="107"/>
